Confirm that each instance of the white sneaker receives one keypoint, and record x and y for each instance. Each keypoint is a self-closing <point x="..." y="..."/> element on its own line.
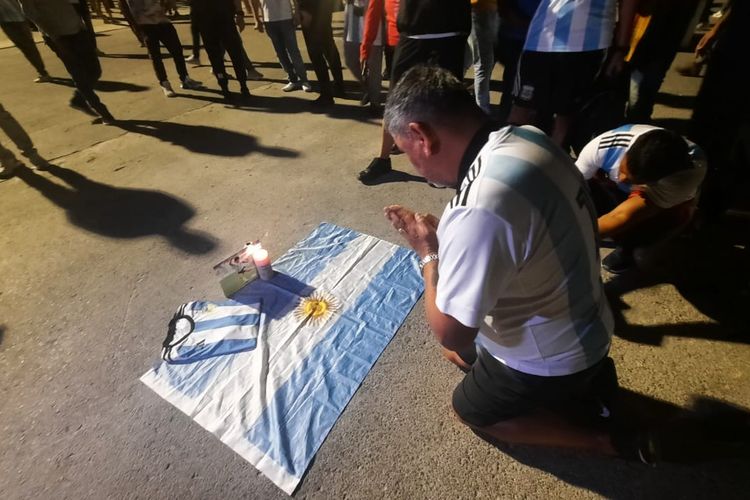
<point x="307" y="87"/>
<point x="291" y="87"/>
<point x="166" y="87"/>
<point x="190" y="84"/>
<point x="254" y="74"/>
<point x="195" y="61"/>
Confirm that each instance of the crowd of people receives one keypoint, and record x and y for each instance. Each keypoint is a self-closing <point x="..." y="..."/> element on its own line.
<point x="512" y="284"/>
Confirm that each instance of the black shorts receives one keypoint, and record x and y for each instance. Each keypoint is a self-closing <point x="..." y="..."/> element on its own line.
<point x="446" y="52"/>
<point x="492" y="392"/>
<point x="555" y="82"/>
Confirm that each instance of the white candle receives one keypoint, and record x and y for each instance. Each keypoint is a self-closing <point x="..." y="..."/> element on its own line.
<point x="263" y="264"/>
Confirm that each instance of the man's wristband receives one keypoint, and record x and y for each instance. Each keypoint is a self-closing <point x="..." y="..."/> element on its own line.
<point x="426" y="260"/>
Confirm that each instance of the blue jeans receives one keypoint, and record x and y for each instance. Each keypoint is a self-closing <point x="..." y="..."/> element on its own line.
<point x="284" y="40"/>
<point x="482" y="41"/>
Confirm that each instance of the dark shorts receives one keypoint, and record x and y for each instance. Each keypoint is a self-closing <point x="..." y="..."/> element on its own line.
<point x="492" y="392"/>
<point x="555" y="82"/>
<point x="447" y="53"/>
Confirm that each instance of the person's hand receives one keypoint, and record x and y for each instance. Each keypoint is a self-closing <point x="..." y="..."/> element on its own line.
<point x="419" y="230"/>
<point x="296" y="18"/>
<point x="615" y="64"/>
<point x="305" y="18"/>
<point x="239" y="19"/>
<point x="365" y="69"/>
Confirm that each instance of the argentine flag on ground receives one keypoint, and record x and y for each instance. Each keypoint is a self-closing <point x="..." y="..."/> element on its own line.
<point x="337" y="299"/>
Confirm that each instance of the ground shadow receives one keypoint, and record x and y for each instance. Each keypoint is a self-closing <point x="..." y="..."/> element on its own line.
<point x="104" y="85"/>
<point x="204" y="139"/>
<point x="2" y="334"/>
<point x="395" y="176"/>
<point x="710" y="268"/>
<point x="110" y="55"/>
<point x="119" y="212"/>
<point x="716" y="470"/>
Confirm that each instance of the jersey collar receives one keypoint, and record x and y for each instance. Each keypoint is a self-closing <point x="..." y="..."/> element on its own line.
<point x="472" y="150"/>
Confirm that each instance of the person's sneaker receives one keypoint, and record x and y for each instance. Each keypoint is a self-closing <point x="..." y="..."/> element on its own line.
<point x="166" y="87"/>
<point x="8" y="169"/>
<point x="193" y="59"/>
<point x="307" y="87"/>
<point x="105" y="116"/>
<point x="45" y="78"/>
<point x="618" y="261"/>
<point x="376" y="168"/>
<point x="190" y="84"/>
<point x="254" y="74"/>
<point x="291" y="87"/>
<point x="79" y="103"/>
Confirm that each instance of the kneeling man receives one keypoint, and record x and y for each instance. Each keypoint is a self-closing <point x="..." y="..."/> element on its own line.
<point x="645" y="182"/>
<point x="512" y="285"/>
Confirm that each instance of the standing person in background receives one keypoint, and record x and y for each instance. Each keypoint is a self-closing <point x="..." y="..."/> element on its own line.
<point x="482" y="38"/>
<point x="565" y="47"/>
<point x="279" y="18"/>
<point x="82" y="7"/>
<point x="153" y="22"/>
<point x="97" y="6"/>
<point x="195" y="57"/>
<point x="16" y="28"/>
<point x="65" y="34"/>
<point x="371" y="79"/>
<point x="379" y="15"/>
<point x="316" y="18"/>
<point x="218" y="22"/>
<point x="430" y="31"/>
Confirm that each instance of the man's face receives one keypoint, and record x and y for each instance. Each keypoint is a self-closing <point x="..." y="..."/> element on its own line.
<point x="421" y="145"/>
<point x="624" y="172"/>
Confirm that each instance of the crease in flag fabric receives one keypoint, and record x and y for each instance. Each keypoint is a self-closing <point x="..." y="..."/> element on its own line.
<point x="336" y="301"/>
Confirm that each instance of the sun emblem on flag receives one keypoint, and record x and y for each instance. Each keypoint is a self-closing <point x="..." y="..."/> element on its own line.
<point x="317" y="308"/>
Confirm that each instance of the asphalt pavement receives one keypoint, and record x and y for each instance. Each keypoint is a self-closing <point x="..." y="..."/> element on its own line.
<point x="98" y="252"/>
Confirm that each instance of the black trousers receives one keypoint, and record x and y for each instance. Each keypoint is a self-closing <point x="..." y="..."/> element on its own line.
<point x="321" y="48"/>
<point x="78" y="53"/>
<point x="167" y="35"/>
<point x="20" y="34"/>
<point x="195" y="33"/>
<point x="220" y="34"/>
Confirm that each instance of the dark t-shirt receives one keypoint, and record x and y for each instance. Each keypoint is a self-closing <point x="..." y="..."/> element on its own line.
<point x="421" y="17"/>
<point x="212" y="9"/>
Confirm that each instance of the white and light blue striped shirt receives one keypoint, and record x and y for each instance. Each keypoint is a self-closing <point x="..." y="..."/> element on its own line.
<point x="572" y="26"/>
<point x="519" y="258"/>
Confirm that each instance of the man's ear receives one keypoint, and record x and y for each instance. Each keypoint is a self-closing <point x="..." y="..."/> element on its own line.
<point x="425" y="138"/>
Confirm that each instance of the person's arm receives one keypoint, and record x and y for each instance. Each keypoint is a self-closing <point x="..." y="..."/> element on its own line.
<point x="621" y="40"/>
<point x="626" y="216"/>
<point x="420" y="231"/>
<point x="257" y="14"/>
<point x="373" y="21"/>
<point x="705" y="42"/>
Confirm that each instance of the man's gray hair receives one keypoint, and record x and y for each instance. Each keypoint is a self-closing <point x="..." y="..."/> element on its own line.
<point x="428" y="94"/>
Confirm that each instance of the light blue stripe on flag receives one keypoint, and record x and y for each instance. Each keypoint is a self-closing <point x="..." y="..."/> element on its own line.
<point x="236" y="320"/>
<point x="563" y="26"/>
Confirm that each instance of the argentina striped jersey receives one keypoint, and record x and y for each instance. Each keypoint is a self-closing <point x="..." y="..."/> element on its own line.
<point x="572" y="26"/>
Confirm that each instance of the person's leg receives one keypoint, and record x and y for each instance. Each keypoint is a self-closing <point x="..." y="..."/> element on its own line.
<point x="292" y="48"/>
<point x="20" y="34"/>
<point x="215" y="51"/>
<point x="315" y="51"/>
<point x="509" y="50"/>
<point x="274" y="30"/>
<point x="232" y="43"/>
<point x="170" y="39"/>
<point x="375" y="76"/>
<point x="530" y="97"/>
<point x="196" y="36"/>
<point x="502" y="404"/>
<point x="83" y="12"/>
<point x="330" y="52"/>
<point x="152" y="36"/>
<point x="351" y="59"/>
<point x="483" y="34"/>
